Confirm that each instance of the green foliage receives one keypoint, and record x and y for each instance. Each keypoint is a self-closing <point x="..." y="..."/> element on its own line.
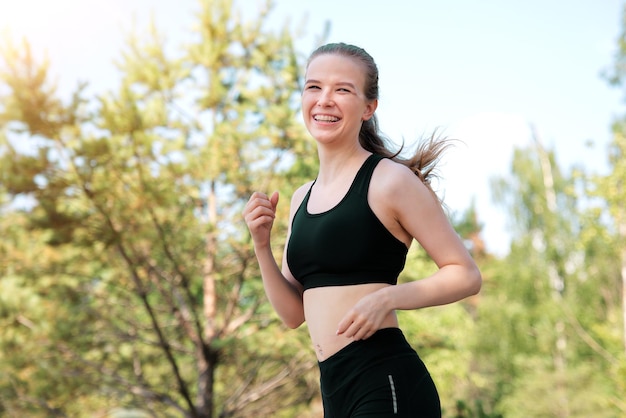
<point x="547" y="317"/>
<point x="128" y="285"/>
<point x="132" y="279"/>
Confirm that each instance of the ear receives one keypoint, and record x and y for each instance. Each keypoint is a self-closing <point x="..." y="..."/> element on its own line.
<point x="370" y="109"/>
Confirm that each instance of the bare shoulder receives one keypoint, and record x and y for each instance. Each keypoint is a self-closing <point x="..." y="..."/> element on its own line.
<point x="391" y="178"/>
<point x="298" y="195"/>
<point x="394" y="195"/>
<point x="397" y="191"/>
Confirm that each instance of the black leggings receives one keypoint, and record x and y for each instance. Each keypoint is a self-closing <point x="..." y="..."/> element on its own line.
<point x="379" y="377"/>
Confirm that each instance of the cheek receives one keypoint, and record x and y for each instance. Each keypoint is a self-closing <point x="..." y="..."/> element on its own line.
<point x="305" y="111"/>
<point x="305" y="98"/>
<point x="306" y="104"/>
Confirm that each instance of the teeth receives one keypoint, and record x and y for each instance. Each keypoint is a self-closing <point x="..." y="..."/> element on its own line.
<point x="326" y="118"/>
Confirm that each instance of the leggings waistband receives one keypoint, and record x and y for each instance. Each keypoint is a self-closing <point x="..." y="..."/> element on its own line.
<point x="359" y="355"/>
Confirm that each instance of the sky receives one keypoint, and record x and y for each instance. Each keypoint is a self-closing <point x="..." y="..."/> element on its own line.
<point x="481" y="71"/>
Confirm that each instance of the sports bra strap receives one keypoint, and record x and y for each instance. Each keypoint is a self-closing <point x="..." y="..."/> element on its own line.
<point x="364" y="176"/>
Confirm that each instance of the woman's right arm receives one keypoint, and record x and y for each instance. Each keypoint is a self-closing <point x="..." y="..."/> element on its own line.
<point x="281" y="288"/>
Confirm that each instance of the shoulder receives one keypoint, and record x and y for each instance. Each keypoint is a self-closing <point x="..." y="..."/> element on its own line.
<point x="391" y="177"/>
<point x="298" y="195"/>
<point x="396" y="190"/>
<point x="399" y="199"/>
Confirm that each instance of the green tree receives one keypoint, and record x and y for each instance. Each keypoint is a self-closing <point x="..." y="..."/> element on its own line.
<point x="542" y="314"/>
<point x="132" y="278"/>
<point x="612" y="186"/>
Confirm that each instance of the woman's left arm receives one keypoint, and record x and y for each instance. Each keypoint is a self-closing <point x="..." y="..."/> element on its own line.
<point x="418" y="212"/>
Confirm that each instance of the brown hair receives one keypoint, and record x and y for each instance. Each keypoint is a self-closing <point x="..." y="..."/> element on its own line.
<point x="427" y="153"/>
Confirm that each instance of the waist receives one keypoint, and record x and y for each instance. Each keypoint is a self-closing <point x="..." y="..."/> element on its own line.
<point x="325" y="307"/>
<point x="386" y="342"/>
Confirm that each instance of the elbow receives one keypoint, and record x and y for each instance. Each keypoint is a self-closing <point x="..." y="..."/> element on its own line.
<point x="475" y="281"/>
<point x="293" y="320"/>
<point x="293" y="323"/>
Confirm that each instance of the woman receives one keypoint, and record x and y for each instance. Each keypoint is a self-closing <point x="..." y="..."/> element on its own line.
<point x="350" y="230"/>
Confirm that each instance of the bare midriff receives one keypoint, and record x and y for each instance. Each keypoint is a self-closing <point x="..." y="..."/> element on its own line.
<point x="324" y="307"/>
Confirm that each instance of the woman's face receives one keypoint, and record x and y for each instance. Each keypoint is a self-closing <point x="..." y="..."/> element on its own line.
<point x="333" y="100"/>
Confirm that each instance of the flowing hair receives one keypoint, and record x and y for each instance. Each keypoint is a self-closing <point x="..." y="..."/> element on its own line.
<point x="429" y="150"/>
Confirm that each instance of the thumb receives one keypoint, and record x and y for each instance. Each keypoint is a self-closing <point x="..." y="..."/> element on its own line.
<point x="274" y="200"/>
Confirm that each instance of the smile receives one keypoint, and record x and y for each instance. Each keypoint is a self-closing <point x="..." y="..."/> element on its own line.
<point x="325" y="118"/>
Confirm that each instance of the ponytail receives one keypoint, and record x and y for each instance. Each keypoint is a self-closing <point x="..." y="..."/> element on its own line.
<point x="423" y="161"/>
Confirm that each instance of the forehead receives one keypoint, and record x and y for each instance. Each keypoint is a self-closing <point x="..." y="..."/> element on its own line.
<point x="336" y="68"/>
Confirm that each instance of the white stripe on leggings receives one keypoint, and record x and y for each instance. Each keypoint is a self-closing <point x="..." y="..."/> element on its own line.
<point x="393" y="395"/>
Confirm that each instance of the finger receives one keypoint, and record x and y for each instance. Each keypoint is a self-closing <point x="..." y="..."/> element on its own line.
<point x="350" y="329"/>
<point x="257" y="195"/>
<point x="250" y="204"/>
<point x="274" y="200"/>
<point x="344" y="324"/>
<point x="260" y="216"/>
<point x="362" y="334"/>
<point x="257" y="201"/>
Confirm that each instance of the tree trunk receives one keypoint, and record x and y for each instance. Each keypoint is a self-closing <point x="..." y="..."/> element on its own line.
<point x="557" y="282"/>
<point x="207" y="357"/>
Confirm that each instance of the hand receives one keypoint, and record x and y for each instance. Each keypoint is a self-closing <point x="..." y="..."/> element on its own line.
<point x="364" y="319"/>
<point x="259" y="215"/>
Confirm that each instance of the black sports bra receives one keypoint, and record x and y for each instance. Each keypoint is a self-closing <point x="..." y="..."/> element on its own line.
<point x="347" y="244"/>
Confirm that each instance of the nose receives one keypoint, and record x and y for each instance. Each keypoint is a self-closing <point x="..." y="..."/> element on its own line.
<point x="325" y="98"/>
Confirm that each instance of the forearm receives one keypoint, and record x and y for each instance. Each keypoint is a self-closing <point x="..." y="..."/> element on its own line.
<point x="448" y="285"/>
<point x="284" y="296"/>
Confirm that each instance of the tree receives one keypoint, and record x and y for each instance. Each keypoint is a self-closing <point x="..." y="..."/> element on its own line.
<point x="611" y="187"/>
<point x="141" y="274"/>
<point x="541" y="323"/>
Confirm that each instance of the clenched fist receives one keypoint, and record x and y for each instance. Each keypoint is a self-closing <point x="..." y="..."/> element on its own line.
<point x="259" y="215"/>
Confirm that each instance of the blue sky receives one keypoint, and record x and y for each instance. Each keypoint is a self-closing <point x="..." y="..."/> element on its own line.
<point x="481" y="70"/>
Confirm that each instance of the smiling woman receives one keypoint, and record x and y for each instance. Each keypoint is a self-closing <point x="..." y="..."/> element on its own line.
<point x="349" y="232"/>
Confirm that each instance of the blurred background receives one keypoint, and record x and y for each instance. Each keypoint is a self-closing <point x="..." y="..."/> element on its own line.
<point x="133" y="131"/>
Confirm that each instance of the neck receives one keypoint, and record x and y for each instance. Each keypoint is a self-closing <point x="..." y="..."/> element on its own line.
<point x="336" y="162"/>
